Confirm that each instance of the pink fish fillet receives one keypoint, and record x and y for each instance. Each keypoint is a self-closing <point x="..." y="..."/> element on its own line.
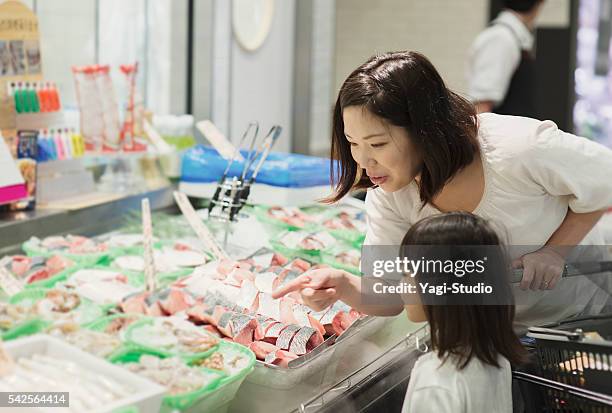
<point x="247" y="334"/>
<point x="343" y="320"/>
<point x="286" y="311"/>
<point x="280" y="358"/>
<point x="198" y="314"/>
<point x="262" y="349"/>
<point x="176" y="301"/>
<point x="135" y="304"/>
<point x="20" y="265"/>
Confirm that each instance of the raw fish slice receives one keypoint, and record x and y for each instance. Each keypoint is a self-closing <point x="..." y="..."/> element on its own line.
<point x="134" y="304"/>
<point x="316" y="324"/>
<point x="245" y="332"/>
<point x="299" y="265"/>
<point x="300" y="312"/>
<point x="279" y="259"/>
<point x="286" y="311"/>
<point x="177" y="301"/>
<point x="275" y="330"/>
<point x="285" y="337"/>
<point x="265" y="282"/>
<point x="248" y="295"/>
<point x="156" y="310"/>
<point x="280" y="358"/>
<point x="262" y="349"/>
<point x="218" y="313"/>
<point x="104" y="293"/>
<point x="343" y="320"/>
<point x="305" y="340"/>
<point x="198" y="314"/>
<point x="263" y="260"/>
<point x="269" y="306"/>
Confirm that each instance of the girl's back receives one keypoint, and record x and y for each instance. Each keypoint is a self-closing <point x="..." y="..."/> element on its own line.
<point x="438" y="387"/>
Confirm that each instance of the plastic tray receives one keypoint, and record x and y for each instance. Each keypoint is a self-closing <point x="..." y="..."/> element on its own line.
<point x="313" y="369"/>
<point x="35" y="295"/>
<point x="29" y="327"/>
<point x="219" y="400"/>
<point x="170" y="402"/>
<point x="85" y="259"/>
<point x="161" y="352"/>
<point x="147" y="396"/>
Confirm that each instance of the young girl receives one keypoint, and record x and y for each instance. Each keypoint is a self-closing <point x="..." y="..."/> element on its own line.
<point x="473" y="345"/>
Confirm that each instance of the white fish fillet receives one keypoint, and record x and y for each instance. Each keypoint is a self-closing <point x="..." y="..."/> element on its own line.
<point x="265" y="281"/>
<point x="269" y="306"/>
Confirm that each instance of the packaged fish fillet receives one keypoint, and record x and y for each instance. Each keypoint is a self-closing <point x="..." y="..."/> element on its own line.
<point x="344" y="257"/>
<point x="40" y="272"/>
<point x="83" y="250"/>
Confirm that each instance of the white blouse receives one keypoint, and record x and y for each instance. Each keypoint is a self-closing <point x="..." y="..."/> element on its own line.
<point x="437" y="387"/>
<point x="533" y="174"/>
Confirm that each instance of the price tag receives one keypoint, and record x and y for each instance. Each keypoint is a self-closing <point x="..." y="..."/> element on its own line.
<point x="147" y="234"/>
<point x="198" y="226"/>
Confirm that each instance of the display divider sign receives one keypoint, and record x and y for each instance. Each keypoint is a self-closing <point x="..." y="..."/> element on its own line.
<point x="198" y="226"/>
<point x="20" y="57"/>
<point x="147" y="234"/>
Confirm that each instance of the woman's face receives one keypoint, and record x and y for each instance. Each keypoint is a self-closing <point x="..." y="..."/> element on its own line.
<point x="385" y="151"/>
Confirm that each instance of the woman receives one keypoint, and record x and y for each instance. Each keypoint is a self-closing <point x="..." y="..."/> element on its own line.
<point x="420" y="149"/>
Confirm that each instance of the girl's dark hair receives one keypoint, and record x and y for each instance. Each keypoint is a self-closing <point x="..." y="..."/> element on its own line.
<point x="468" y="330"/>
<point x="405" y="89"/>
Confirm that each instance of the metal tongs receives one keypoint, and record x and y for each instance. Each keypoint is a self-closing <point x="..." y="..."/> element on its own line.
<point x="572" y="270"/>
<point x="231" y="195"/>
<point x="252" y="125"/>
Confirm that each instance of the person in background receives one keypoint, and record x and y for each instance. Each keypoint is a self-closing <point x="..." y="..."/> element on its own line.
<point x="473" y="344"/>
<point x="501" y="68"/>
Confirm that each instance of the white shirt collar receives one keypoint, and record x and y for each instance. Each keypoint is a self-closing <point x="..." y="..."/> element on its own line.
<point x="509" y="18"/>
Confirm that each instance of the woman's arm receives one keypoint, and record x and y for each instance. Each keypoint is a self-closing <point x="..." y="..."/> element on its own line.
<point x="543" y="268"/>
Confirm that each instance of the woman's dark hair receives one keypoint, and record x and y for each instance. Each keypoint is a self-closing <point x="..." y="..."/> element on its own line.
<point x="471" y="329"/>
<point x="521" y="6"/>
<point x="405" y="89"/>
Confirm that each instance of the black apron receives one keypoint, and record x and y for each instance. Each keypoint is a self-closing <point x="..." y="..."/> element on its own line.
<point x="520" y="97"/>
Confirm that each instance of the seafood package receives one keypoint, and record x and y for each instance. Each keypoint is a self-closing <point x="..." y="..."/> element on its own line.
<point x="309" y="242"/>
<point x="72" y="246"/>
<point x="171" y="336"/>
<point x="202" y="383"/>
<point x="343" y="257"/>
<point x="94" y="384"/>
<point x="94" y="342"/>
<point x="88" y="390"/>
<point x="167" y="259"/>
<point x="347" y="224"/>
<point x="235" y="301"/>
<point x="32" y="270"/>
<point x="17" y="320"/>
<point x="103" y="286"/>
<point x="115" y="324"/>
<point x="166" y="302"/>
<point x="56" y="305"/>
<point x="173" y="374"/>
<point x="286" y="217"/>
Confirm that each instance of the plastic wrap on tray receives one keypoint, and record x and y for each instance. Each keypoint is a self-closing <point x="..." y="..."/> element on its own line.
<point x="39" y="272"/>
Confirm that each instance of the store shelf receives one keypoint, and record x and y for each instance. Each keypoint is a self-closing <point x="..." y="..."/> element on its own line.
<point x="17" y="227"/>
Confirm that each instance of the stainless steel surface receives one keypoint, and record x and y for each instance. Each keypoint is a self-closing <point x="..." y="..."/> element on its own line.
<point x="17" y="227"/>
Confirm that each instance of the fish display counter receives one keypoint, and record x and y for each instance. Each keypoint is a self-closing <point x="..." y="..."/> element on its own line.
<point x="210" y="315"/>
